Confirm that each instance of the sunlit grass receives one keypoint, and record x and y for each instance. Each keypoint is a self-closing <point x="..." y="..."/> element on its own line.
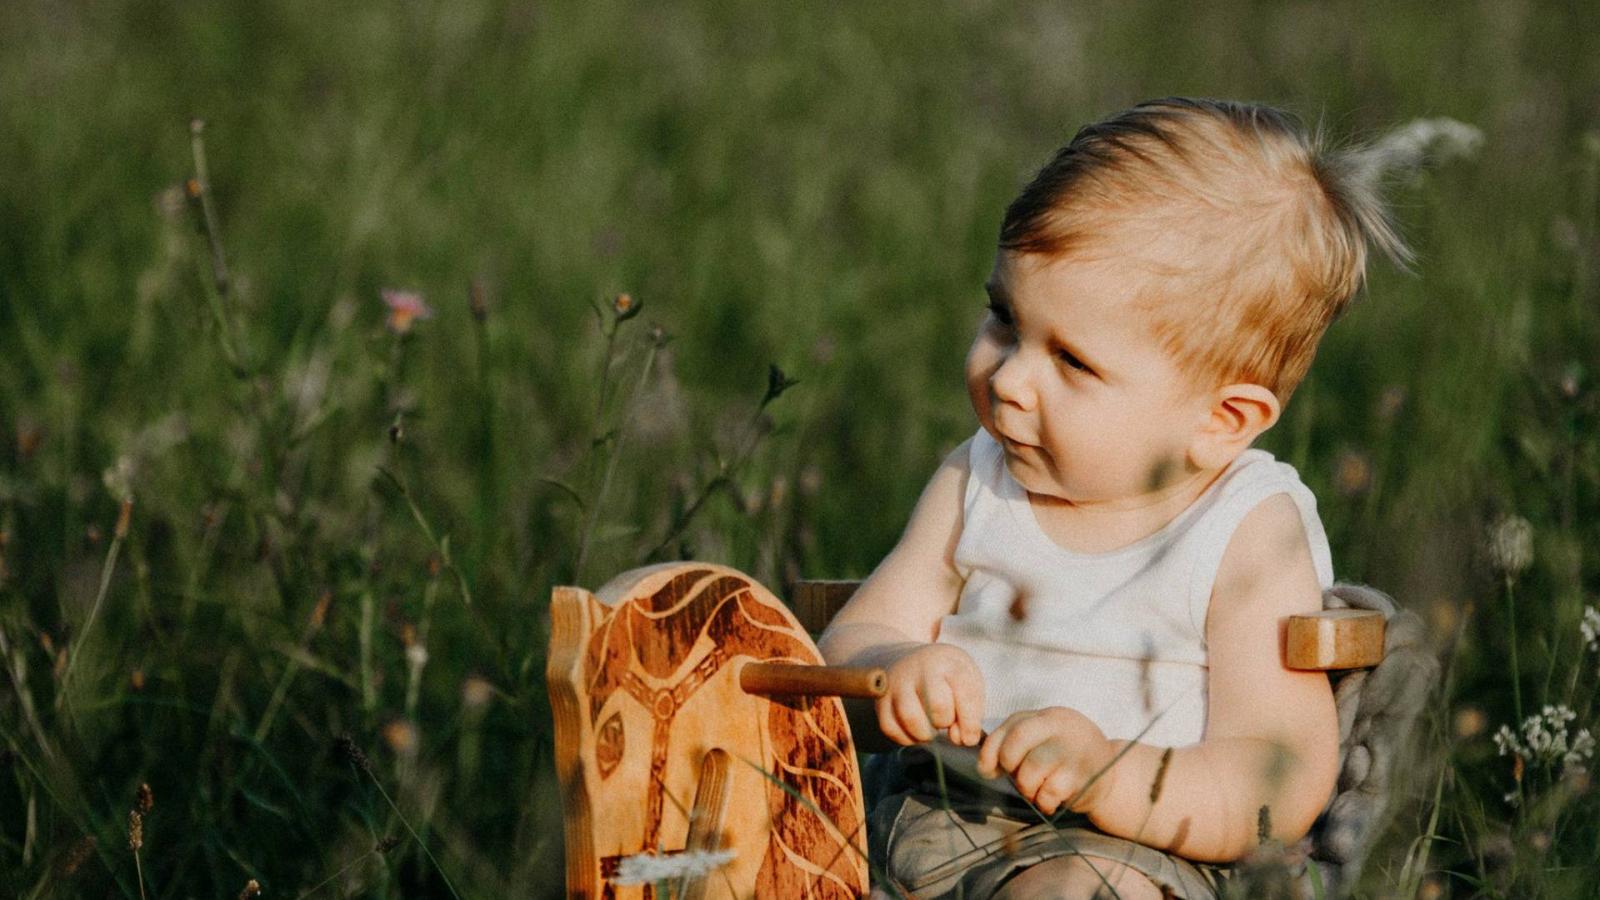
<point x="336" y="527"/>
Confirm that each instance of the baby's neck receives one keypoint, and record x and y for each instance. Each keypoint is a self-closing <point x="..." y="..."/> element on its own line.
<point x="1104" y="526"/>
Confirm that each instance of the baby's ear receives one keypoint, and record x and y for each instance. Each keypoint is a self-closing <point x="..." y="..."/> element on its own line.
<point x="1239" y="413"/>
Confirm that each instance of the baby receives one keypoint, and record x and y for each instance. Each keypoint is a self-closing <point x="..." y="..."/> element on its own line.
<point x="1091" y="589"/>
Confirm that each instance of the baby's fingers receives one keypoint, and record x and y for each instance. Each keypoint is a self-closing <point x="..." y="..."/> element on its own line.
<point x="968" y="727"/>
<point x="1016" y="737"/>
<point x="939" y="702"/>
<point x="909" y="714"/>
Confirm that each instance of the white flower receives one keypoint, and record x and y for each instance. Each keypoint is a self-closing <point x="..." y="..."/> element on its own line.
<point x="1544" y="739"/>
<point x="1590" y="627"/>
<point x="1506" y="740"/>
<point x="1582" y="748"/>
<point x="648" y="868"/>
<point x="417" y="655"/>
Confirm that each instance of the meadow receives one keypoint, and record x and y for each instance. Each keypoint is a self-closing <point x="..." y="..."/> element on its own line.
<point x="316" y="374"/>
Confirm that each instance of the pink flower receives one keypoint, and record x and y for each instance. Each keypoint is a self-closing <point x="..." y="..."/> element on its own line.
<point x="405" y="307"/>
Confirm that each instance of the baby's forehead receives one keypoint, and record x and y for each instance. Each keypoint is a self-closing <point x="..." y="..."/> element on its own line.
<point x="1131" y="268"/>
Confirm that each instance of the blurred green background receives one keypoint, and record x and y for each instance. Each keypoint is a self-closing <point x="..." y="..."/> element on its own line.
<point x="810" y="186"/>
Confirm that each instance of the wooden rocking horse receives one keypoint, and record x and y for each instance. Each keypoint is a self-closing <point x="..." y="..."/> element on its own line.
<point x="696" y="723"/>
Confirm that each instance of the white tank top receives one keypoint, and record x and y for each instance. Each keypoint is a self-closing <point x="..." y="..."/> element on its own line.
<point x="1118" y="636"/>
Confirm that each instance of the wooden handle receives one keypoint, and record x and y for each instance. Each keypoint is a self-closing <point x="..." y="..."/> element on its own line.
<point x="783" y="679"/>
<point x="1335" y="639"/>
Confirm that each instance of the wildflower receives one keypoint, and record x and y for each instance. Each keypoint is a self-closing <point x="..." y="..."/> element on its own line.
<point x="135" y="830"/>
<point x="352" y="752"/>
<point x="1590" y="627"/>
<point x="624" y="307"/>
<point x="1571" y="381"/>
<point x="401" y="737"/>
<point x="145" y="799"/>
<point x="252" y="890"/>
<point x="810" y="481"/>
<point x="417" y="655"/>
<point x="1352" y="473"/>
<point x="648" y="868"/>
<point x="1470" y="722"/>
<point x="1511" y="544"/>
<point x="476" y="692"/>
<point x="1543" y="739"/>
<point x="405" y="308"/>
<point x="777" y="383"/>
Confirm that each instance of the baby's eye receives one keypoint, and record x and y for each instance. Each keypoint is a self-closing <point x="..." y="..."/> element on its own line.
<point x="1000" y="312"/>
<point x="1072" y="362"/>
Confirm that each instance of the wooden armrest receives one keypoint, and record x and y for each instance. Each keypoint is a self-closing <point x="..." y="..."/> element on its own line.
<point x="1327" y="640"/>
<point x="1335" y="639"/>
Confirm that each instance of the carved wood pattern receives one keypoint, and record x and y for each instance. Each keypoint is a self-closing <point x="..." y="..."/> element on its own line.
<point x="644" y="685"/>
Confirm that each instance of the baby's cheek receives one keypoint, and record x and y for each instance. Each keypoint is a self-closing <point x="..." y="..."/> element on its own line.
<point x="982" y="361"/>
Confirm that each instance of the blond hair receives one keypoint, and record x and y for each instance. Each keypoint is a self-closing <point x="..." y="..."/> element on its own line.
<point x="1251" y="234"/>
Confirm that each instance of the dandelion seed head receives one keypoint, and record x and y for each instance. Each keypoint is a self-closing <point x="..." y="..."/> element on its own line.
<point x="1511" y="544"/>
<point x="1407" y="148"/>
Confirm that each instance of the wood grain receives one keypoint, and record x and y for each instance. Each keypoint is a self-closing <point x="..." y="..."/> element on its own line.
<point x="643" y="684"/>
<point x="1335" y="639"/>
<point x="817" y="601"/>
<point x="785" y="679"/>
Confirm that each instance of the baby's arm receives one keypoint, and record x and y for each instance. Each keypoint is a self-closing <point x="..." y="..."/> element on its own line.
<point x="1272" y="734"/>
<point x="893" y="620"/>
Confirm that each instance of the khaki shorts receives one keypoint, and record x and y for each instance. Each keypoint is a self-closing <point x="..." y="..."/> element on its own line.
<point x="970" y="840"/>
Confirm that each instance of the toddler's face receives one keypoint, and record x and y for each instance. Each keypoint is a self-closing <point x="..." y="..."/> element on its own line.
<point x="1065" y="376"/>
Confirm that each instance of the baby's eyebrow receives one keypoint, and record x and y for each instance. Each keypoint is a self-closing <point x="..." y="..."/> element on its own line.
<point x="997" y="294"/>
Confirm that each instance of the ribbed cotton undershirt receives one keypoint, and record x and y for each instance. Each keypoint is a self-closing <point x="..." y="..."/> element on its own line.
<point x="1118" y="636"/>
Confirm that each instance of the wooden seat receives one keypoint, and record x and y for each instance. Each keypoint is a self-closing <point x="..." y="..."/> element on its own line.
<point x="697" y="726"/>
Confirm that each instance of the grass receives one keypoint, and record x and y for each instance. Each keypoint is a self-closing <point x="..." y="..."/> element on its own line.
<point x="338" y="529"/>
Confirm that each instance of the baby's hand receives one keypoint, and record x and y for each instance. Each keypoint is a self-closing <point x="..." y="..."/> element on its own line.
<point x="934" y="686"/>
<point x="1055" y="756"/>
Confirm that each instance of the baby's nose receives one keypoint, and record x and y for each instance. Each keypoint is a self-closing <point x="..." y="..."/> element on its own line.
<point x="1010" y="383"/>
